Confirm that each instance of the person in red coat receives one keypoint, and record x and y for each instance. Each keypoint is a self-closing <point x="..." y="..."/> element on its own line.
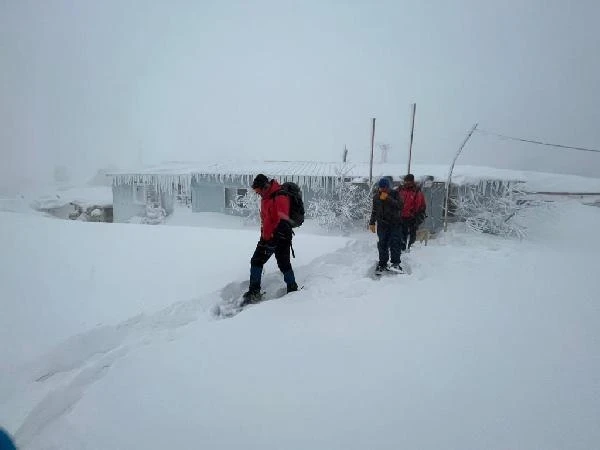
<point x="275" y="237"/>
<point x="413" y="211"/>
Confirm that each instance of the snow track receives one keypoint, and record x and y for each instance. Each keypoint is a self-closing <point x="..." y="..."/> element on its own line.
<point x="437" y="340"/>
<point x="60" y="378"/>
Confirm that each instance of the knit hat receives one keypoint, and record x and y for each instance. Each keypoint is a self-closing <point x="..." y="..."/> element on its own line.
<point x="260" y="181"/>
<point x="384" y="183"/>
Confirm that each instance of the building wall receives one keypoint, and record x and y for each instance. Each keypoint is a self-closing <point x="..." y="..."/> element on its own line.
<point x="167" y="201"/>
<point x="207" y="197"/>
<point x="434" y="197"/>
<point x="210" y="196"/>
<point x="124" y="205"/>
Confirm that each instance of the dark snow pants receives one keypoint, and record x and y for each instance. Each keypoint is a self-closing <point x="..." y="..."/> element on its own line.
<point x="264" y="251"/>
<point x="409" y="233"/>
<point x="389" y="244"/>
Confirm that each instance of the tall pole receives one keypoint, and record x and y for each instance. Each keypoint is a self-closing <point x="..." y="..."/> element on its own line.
<point x="447" y="199"/>
<point x="412" y="133"/>
<point x="372" y="147"/>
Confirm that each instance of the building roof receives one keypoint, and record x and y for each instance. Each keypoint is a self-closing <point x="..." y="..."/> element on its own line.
<point x="312" y="172"/>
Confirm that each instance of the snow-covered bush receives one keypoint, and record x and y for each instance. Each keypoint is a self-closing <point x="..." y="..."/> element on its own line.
<point x="494" y="208"/>
<point x="155" y="215"/>
<point x="84" y="213"/>
<point x="346" y="208"/>
<point x="247" y="206"/>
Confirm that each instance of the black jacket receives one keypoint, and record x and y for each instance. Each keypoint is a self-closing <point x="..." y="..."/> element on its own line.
<point x="388" y="211"/>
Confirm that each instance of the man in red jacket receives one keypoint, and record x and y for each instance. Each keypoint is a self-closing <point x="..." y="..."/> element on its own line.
<point x="275" y="237"/>
<point x="413" y="211"/>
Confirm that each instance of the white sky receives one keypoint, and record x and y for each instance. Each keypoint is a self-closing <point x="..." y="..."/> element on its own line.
<point x="87" y="84"/>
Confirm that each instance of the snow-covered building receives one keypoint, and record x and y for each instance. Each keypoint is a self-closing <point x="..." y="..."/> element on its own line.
<point x="211" y="187"/>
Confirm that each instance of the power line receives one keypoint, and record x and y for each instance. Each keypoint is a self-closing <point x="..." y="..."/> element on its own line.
<point x="531" y="141"/>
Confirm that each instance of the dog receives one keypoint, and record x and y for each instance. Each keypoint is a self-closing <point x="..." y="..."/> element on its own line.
<point x="423" y="235"/>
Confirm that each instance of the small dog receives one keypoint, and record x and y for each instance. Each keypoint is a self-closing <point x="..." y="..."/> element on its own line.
<point x="423" y="235"/>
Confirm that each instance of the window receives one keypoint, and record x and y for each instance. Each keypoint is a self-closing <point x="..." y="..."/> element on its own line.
<point x="241" y="193"/>
<point x="234" y="195"/>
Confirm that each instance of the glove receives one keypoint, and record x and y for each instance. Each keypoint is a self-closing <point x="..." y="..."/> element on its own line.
<point x="267" y="246"/>
<point x="383" y="195"/>
<point x="283" y="232"/>
<point x="372" y="228"/>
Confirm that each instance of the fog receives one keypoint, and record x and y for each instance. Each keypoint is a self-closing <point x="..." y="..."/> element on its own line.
<point x="87" y="84"/>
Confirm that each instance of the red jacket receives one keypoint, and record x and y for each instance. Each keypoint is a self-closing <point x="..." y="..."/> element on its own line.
<point x="272" y="210"/>
<point x="414" y="201"/>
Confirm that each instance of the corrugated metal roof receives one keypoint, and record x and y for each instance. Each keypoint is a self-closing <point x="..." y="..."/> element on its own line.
<point x="293" y="168"/>
<point x="316" y="169"/>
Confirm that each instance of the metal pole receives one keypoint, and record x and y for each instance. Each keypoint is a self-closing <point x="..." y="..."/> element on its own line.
<point x="447" y="199"/>
<point x="412" y="131"/>
<point x="372" y="147"/>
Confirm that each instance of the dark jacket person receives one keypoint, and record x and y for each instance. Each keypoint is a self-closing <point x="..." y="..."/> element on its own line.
<point x="387" y="207"/>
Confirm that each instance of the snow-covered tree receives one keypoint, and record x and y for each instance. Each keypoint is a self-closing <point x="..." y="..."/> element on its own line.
<point x="347" y="207"/>
<point x="247" y="206"/>
<point x="494" y="208"/>
<point x="155" y="215"/>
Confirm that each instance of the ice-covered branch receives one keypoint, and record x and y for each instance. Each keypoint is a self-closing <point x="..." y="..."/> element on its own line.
<point x="247" y="206"/>
<point x="346" y="206"/>
<point x="494" y="208"/>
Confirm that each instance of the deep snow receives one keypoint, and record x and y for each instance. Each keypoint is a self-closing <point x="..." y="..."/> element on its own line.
<point x="108" y="339"/>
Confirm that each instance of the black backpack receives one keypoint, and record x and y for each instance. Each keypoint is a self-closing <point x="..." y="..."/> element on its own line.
<point x="292" y="190"/>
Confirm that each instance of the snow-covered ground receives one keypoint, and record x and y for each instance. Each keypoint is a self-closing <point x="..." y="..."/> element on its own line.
<point x="43" y="198"/>
<point x="107" y="339"/>
<point x="84" y="196"/>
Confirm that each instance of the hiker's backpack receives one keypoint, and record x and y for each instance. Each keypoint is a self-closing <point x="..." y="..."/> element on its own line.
<point x="292" y="190"/>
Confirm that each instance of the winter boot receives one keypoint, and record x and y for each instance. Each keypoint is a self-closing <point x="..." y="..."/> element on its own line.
<point x="381" y="268"/>
<point x="253" y="294"/>
<point x="396" y="267"/>
<point x="290" y="280"/>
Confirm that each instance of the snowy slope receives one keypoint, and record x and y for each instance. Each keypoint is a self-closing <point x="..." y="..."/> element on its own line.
<point x="488" y="344"/>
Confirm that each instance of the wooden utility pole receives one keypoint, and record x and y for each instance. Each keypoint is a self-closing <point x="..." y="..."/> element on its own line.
<point x="372" y="148"/>
<point x="412" y="132"/>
